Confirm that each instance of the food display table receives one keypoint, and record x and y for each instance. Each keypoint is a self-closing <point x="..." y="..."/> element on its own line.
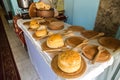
<point x="42" y="60"/>
<point x="113" y="71"/>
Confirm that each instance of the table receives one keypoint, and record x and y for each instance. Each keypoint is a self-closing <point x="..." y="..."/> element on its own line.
<point x="113" y="71"/>
<point x="42" y="60"/>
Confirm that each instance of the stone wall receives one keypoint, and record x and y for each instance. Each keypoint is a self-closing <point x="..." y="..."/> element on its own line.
<point x="108" y="17"/>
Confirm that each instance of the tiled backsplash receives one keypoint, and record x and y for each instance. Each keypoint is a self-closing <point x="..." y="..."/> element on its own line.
<point x="108" y="17"/>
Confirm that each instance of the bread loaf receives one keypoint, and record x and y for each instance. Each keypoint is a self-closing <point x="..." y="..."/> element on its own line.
<point x="34" y="24"/>
<point x="55" y="41"/>
<point x="41" y="33"/>
<point x="42" y="6"/>
<point x="69" y="61"/>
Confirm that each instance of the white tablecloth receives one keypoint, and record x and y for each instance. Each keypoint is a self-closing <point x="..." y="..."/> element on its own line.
<point x="113" y="71"/>
<point x="92" y="71"/>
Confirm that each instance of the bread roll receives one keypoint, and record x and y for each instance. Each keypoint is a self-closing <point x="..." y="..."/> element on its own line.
<point x="69" y="61"/>
<point x="40" y="33"/>
<point x="55" y="41"/>
<point x="42" y="6"/>
<point x="39" y="5"/>
<point x="47" y="7"/>
<point x="42" y="27"/>
<point x="34" y="24"/>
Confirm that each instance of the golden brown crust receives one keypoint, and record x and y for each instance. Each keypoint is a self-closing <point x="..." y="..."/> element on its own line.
<point x="40" y="33"/>
<point x="69" y="61"/>
<point x="32" y="10"/>
<point x="63" y="74"/>
<point x="55" y="41"/>
<point x="42" y="6"/>
<point x="34" y="24"/>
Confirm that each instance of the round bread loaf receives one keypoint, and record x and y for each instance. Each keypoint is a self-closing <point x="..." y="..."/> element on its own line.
<point x="69" y="61"/>
<point x="42" y="6"/>
<point x="40" y="33"/>
<point x="55" y="41"/>
<point x="34" y="24"/>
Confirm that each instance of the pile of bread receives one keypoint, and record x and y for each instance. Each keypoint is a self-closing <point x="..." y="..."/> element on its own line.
<point x="55" y="41"/>
<point x="52" y="23"/>
<point x="42" y="6"/>
<point x="40" y="30"/>
<point x="68" y="61"/>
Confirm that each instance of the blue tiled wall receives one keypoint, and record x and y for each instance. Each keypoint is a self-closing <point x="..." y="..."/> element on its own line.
<point x="81" y="12"/>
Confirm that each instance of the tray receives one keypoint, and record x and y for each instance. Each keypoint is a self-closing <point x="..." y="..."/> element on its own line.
<point x="74" y="41"/>
<point x="89" y="51"/>
<point x="109" y="42"/>
<point x="76" y="28"/>
<point x="46" y="48"/>
<point x="56" y="25"/>
<point x="89" y="33"/>
<point x="59" y="72"/>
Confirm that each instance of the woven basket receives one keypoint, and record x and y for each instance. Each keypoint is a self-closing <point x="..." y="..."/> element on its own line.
<point x="45" y="13"/>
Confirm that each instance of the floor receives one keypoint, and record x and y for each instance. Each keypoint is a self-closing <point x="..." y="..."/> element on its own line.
<point x="24" y="65"/>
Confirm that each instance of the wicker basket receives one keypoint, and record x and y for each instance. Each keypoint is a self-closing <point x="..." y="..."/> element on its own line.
<point x="45" y="13"/>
